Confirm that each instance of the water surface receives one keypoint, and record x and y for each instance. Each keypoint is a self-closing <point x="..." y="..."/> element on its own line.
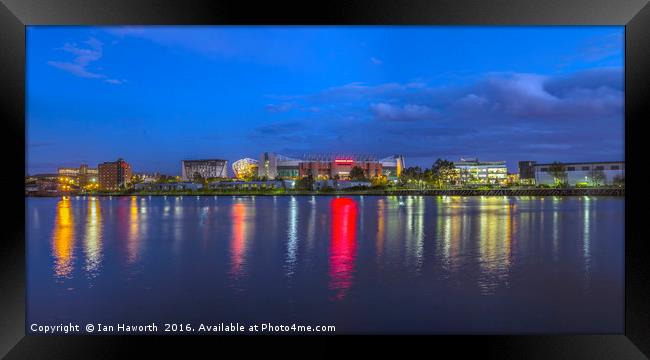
<point x="396" y="264"/>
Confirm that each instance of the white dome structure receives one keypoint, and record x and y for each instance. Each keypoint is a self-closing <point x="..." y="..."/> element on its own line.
<point x="245" y="168"/>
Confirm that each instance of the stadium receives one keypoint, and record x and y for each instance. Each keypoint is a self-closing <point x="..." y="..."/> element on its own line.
<point x="327" y="166"/>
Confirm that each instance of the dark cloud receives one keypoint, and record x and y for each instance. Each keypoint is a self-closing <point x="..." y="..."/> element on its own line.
<point x="530" y="97"/>
<point x="499" y="116"/>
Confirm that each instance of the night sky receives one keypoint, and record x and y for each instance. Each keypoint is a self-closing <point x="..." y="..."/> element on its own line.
<point x="157" y="95"/>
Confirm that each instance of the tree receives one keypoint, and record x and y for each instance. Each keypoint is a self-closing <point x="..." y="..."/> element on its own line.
<point x="162" y="178"/>
<point x="428" y="175"/>
<point x="410" y="174"/>
<point x="444" y="172"/>
<point x="306" y="183"/>
<point x="198" y="179"/>
<point x="136" y="180"/>
<point x="357" y="174"/>
<point x="558" y="172"/>
<point x="379" y="181"/>
<point x="597" y="177"/>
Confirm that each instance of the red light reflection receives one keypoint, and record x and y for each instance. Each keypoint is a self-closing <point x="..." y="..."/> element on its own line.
<point x="343" y="245"/>
<point x="238" y="241"/>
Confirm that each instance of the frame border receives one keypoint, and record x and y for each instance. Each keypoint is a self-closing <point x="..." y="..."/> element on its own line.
<point x="15" y="15"/>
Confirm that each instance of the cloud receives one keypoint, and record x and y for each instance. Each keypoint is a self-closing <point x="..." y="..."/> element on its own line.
<point x="407" y="112"/>
<point x="83" y="59"/>
<point x="599" y="48"/>
<point x="288" y="106"/>
<point x="376" y="61"/>
<point x="74" y="69"/>
<point x="278" y="128"/>
<point x="115" y="81"/>
<point x="504" y="116"/>
<point x="282" y="47"/>
<point x="580" y="96"/>
<point x="491" y="98"/>
<point x="283" y="107"/>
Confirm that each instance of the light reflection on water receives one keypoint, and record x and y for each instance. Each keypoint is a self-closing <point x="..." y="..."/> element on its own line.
<point x="93" y="238"/>
<point x="586" y="239"/>
<point x="292" y="237"/>
<point x="343" y="245"/>
<point x="450" y="251"/>
<point x="133" y="239"/>
<point x="63" y="238"/>
<point x="241" y="233"/>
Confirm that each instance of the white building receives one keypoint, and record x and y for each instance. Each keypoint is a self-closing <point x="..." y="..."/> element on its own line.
<point x="272" y="165"/>
<point x="484" y="172"/>
<point x="210" y="168"/>
<point x="602" y="173"/>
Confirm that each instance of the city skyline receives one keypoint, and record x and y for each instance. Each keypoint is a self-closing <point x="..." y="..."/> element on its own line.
<point x="158" y="95"/>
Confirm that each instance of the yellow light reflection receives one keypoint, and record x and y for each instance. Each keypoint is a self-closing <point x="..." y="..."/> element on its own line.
<point x="381" y="231"/>
<point x="414" y="231"/>
<point x="63" y="238"/>
<point x="393" y="247"/>
<point x="93" y="237"/>
<point x="133" y="239"/>
<point x="495" y="244"/>
<point x="450" y="215"/>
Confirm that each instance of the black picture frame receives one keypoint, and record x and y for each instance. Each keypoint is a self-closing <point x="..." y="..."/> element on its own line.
<point x="15" y="15"/>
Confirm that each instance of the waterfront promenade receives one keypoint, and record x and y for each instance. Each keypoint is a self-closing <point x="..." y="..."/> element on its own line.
<point x="514" y="192"/>
<point x="370" y="191"/>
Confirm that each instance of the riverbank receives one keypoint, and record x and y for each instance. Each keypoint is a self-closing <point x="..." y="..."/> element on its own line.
<point x="376" y="192"/>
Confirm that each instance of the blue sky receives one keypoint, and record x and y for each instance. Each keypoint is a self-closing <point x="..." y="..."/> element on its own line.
<point x="157" y="95"/>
